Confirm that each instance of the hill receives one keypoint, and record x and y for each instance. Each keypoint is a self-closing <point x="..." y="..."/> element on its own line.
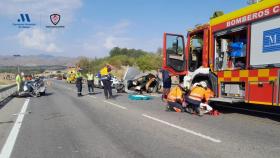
<point x="36" y="60"/>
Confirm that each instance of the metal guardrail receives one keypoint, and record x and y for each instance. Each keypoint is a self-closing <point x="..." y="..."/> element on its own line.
<point x="7" y="91"/>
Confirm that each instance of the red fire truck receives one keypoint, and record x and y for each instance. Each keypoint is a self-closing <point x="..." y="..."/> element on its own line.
<point x="238" y="53"/>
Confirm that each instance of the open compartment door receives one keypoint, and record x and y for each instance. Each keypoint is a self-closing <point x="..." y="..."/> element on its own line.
<point x="174" y="55"/>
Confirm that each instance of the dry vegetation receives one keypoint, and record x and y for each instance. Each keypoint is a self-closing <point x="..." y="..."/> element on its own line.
<point x="7" y="78"/>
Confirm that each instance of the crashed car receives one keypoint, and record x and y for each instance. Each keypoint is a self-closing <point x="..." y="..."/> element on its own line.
<point x="34" y="88"/>
<point x="135" y="81"/>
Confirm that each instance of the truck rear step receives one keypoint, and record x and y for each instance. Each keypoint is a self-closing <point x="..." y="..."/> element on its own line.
<point x="228" y="100"/>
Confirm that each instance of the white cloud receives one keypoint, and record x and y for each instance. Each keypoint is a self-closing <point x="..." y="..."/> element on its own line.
<point x="118" y="35"/>
<point x="99" y="43"/>
<point x="114" y="41"/>
<point x="39" y="12"/>
<point x="36" y="39"/>
<point x="39" y="8"/>
<point x="121" y="27"/>
<point x="109" y="37"/>
<point x="152" y="44"/>
<point x="90" y="47"/>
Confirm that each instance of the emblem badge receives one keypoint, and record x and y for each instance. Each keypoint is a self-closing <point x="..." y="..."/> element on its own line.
<point x="55" y="18"/>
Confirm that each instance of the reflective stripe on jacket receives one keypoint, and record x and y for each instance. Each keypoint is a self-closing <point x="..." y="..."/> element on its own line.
<point x="197" y="93"/>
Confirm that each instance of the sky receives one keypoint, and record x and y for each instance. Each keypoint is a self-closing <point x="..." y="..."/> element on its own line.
<point x="93" y="27"/>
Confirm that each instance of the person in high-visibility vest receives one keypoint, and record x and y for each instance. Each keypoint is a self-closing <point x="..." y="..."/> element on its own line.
<point x="18" y="82"/>
<point x="90" y="83"/>
<point x="198" y="94"/>
<point x="208" y="94"/>
<point x="106" y="80"/>
<point x="79" y="83"/>
<point x="175" y="99"/>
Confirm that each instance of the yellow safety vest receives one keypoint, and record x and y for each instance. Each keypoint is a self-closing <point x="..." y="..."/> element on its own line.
<point x="78" y="74"/>
<point x="90" y="77"/>
<point x="18" y="79"/>
<point x="197" y="93"/>
<point x="175" y="94"/>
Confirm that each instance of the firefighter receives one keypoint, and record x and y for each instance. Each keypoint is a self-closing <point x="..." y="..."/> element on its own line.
<point x="106" y="80"/>
<point x="208" y="94"/>
<point x="175" y="99"/>
<point x="79" y="83"/>
<point x="198" y="95"/>
<point x="18" y="82"/>
<point x="90" y="83"/>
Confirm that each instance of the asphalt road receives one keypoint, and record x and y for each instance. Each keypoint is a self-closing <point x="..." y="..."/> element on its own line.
<point x="62" y="125"/>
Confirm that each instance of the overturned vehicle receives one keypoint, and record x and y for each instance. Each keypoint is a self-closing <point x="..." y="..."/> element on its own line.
<point x="136" y="82"/>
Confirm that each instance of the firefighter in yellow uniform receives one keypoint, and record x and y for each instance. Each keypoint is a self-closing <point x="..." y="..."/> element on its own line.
<point x="106" y="80"/>
<point x="197" y="95"/>
<point x="175" y="99"/>
<point x="90" y="83"/>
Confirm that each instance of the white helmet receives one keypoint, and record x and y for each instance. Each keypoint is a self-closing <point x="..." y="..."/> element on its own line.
<point x="203" y="84"/>
<point x="22" y="74"/>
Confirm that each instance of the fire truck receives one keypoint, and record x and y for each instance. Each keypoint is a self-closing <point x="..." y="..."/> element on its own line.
<point x="237" y="53"/>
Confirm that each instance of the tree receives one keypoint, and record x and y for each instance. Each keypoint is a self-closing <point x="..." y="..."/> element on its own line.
<point x="115" y="51"/>
<point x="127" y="52"/>
<point x="124" y="57"/>
<point x="83" y="63"/>
<point x="144" y="63"/>
<point x="149" y="62"/>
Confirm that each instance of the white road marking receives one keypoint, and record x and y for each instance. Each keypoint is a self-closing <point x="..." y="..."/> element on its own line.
<point x="116" y="105"/>
<point x="11" y="140"/>
<point x="183" y="129"/>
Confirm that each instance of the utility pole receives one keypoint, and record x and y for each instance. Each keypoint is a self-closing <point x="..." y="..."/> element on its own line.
<point x="17" y="55"/>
